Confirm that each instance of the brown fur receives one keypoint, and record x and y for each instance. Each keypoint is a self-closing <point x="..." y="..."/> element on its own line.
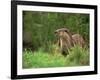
<point x="66" y="40"/>
<point x="78" y="40"/>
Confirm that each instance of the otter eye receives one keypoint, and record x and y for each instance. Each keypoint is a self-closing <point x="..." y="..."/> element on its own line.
<point x="66" y="30"/>
<point x="55" y="32"/>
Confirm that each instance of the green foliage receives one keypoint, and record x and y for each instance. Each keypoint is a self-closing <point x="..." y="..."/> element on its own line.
<point x="39" y="39"/>
<point x="77" y="57"/>
<point x="39" y="27"/>
<point x="41" y="59"/>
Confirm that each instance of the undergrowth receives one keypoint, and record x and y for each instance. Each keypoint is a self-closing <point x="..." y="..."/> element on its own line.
<point x="39" y="59"/>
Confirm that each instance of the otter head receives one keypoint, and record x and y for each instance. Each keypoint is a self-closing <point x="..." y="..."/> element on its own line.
<point x="59" y="32"/>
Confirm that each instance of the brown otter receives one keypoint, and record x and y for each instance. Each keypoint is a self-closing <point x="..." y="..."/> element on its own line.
<point x="66" y="40"/>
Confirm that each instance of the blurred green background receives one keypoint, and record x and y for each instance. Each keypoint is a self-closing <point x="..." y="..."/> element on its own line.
<point x="39" y="27"/>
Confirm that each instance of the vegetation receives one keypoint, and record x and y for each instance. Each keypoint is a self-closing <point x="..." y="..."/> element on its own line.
<point x="77" y="57"/>
<point x="39" y="27"/>
<point x="39" y="48"/>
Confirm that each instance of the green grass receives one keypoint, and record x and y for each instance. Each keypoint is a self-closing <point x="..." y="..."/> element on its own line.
<point x="78" y="57"/>
<point x="40" y="59"/>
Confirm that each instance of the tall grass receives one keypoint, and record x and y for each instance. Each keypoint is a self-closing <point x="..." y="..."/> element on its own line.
<point x="39" y="59"/>
<point x="42" y="59"/>
<point x="77" y="56"/>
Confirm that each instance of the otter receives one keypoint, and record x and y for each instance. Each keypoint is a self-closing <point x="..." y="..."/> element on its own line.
<point x="65" y="40"/>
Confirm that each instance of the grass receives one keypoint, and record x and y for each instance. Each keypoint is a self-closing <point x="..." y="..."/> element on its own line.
<point x="78" y="57"/>
<point x="40" y="59"/>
